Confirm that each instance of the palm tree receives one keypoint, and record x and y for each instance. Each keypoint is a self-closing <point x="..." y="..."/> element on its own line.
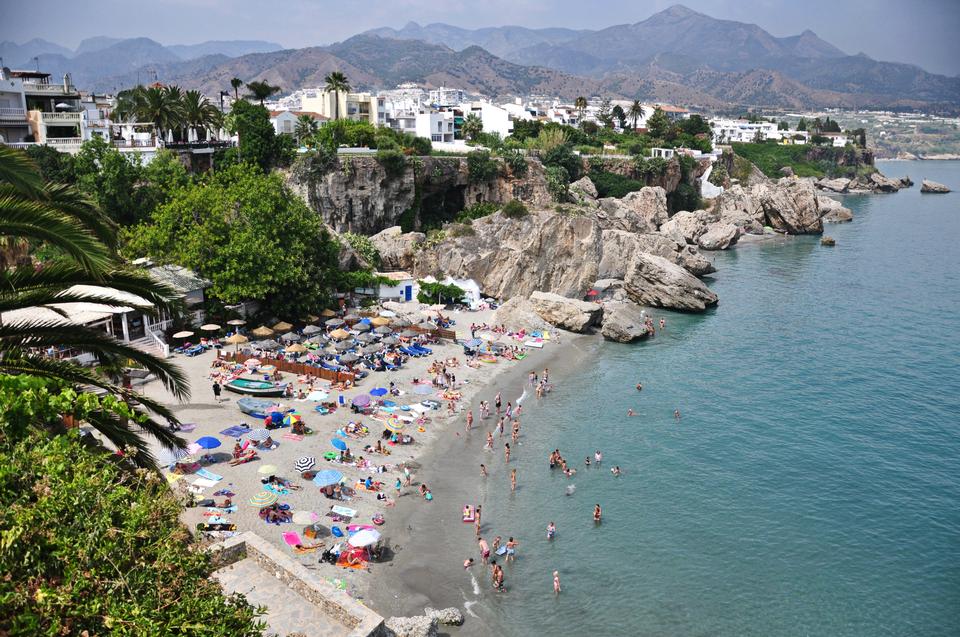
<point x="261" y="90"/>
<point x="86" y="270"/>
<point x="306" y="127"/>
<point x="162" y="106"/>
<point x="337" y="82"/>
<point x="636" y="112"/>
<point x="581" y="105"/>
<point x="236" y="83"/>
<point x="199" y="113"/>
<point x="472" y="126"/>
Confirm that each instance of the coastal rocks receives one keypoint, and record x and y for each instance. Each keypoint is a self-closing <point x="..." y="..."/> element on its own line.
<point x="932" y="187"/>
<point x="828" y="241"/>
<point x="446" y="616"/>
<point x="687" y="226"/>
<point x="840" y="184"/>
<point x="653" y="280"/>
<point x="640" y="211"/>
<point x="397" y="248"/>
<point x="906" y="182"/>
<point x="719" y="236"/>
<point x="881" y="183"/>
<point x="517" y="314"/>
<point x="419" y="626"/>
<point x="566" y="313"/>
<point x="787" y="171"/>
<point x="582" y="192"/>
<point x="610" y="290"/>
<point x="790" y="205"/>
<point x="832" y="211"/>
<point x="619" y="247"/>
<point x="624" y="323"/>
<point x="739" y="207"/>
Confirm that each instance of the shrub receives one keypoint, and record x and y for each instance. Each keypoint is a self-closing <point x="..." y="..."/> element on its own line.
<point x="685" y="197"/>
<point x="515" y="209"/>
<point x="439" y="292"/>
<point x="718" y="176"/>
<point x="563" y="156"/>
<point x="460" y="230"/>
<point x="481" y="167"/>
<point x="364" y="247"/>
<point x="477" y="211"/>
<point x="394" y="162"/>
<point x="557" y="181"/>
<point x="614" y="185"/>
<point x="313" y="164"/>
<point x="516" y="161"/>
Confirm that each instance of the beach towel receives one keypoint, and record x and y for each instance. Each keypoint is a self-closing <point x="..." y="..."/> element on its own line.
<point x="344" y="511"/>
<point x="187" y="427"/>
<point x="353" y="528"/>
<point x="276" y="489"/>
<point x="292" y="538"/>
<point x="335" y="530"/>
<point x="342" y="562"/>
<point x="217" y="519"/>
<point x="209" y="475"/>
<point x="236" y="431"/>
<point x="294" y="437"/>
<point x="229" y="509"/>
<point x="204" y="483"/>
<point x="225" y="492"/>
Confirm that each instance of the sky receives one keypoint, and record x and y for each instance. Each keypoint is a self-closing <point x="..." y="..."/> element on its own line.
<point x="921" y="32"/>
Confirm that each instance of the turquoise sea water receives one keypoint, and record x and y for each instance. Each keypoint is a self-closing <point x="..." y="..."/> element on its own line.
<point x="812" y="486"/>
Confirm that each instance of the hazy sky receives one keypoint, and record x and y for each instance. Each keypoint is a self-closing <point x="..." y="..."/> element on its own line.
<point x="923" y="32"/>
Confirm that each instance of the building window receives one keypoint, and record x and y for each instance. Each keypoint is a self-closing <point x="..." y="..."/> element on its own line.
<point x="436" y="138"/>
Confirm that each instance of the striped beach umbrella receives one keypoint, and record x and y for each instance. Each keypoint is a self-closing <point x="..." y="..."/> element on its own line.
<point x="305" y="463"/>
<point x="170" y="456"/>
<point x="258" y="435"/>
<point x="264" y="499"/>
<point x="394" y="425"/>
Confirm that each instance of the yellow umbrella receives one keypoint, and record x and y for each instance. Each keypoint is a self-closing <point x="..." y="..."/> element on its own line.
<point x="339" y="333"/>
<point x="282" y="326"/>
<point x="380" y="320"/>
<point x="296" y="348"/>
<point x="328" y="313"/>
<point x="263" y="330"/>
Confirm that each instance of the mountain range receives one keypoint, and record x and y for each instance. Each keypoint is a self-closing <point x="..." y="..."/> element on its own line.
<point x="677" y="55"/>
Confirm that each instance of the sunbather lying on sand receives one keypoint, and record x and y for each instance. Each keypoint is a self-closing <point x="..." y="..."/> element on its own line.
<point x="246" y="456"/>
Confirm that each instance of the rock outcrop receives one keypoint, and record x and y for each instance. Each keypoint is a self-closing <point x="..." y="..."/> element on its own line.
<point x="583" y="192"/>
<point x="624" y="323"/>
<point x="719" y="236"/>
<point x="687" y="226"/>
<point x="445" y="616"/>
<point x="418" y="626"/>
<point x="619" y="247"/>
<point x="640" y="211"/>
<point x="791" y="206"/>
<point x="840" y="184"/>
<point x="833" y="211"/>
<point x="932" y="187"/>
<point x="518" y="313"/>
<point x="653" y="280"/>
<point x="566" y="313"/>
<point x="396" y="247"/>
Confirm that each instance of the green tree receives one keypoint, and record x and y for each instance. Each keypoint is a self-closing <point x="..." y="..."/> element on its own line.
<point x="258" y="143"/>
<point x="604" y="114"/>
<point x="88" y="545"/>
<point x="53" y="165"/>
<point x="783" y="125"/>
<point x="581" y="105"/>
<point x="250" y="236"/>
<point x="261" y="91"/>
<point x="439" y="292"/>
<point x="472" y="126"/>
<point x="336" y="82"/>
<point x="84" y="270"/>
<point x="161" y="106"/>
<point x="199" y="114"/>
<point x="620" y="115"/>
<point x="346" y="132"/>
<point x="480" y="166"/>
<point x="111" y="178"/>
<point x="802" y="124"/>
<point x="636" y="112"/>
<point x="236" y="83"/>
<point x="659" y="124"/>
<point x="305" y="129"/>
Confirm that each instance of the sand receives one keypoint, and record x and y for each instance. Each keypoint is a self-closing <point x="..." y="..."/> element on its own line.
<point x="210" y="417"/>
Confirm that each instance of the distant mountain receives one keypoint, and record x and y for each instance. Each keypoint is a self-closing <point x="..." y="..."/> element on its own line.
<point x="97" y="43"/>
<point x="501" y="41"/>
<point x="230" y="48"/>
<point x="19" y="55"/>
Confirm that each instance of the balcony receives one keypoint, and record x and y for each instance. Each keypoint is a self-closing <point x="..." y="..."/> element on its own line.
<point x="7" y="114"/>
<point x="49" y="89"/>
<point x="61" y="119"/>
<point x="65" y="144"/>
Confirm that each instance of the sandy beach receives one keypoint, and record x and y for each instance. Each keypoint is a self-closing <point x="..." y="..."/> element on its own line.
<point x="439" y="439"/>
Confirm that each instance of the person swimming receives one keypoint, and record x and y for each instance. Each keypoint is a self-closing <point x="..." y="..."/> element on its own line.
<point x="551" y="530"/>
<point x="616" y="470"/>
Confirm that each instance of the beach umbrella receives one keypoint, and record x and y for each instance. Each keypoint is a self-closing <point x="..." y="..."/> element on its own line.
<point x="210" y="327"/>
<point x="474" y="342"/>
<point x="289" y="419"/>
<point x="350" y="318"/>
<point x="268" y="345"/>
<point x="400" y="322"/>
<point x="236" y="322"/>
<point x="305" y="463"/>
<point x="344" y="346"/>
<point x="390" y="340"/>
<point x="317" y="395"/>
<point x="267" y="469"/>
<point x="387" y="313"/>
<point x="423" y="390"/>
<point x="334" y="322"/>
<point x="339" y="334"/>
<point x="364" y="537"/>
<point x="282" y="326"/>
<point x="258" y="435"/>
<point x="264" y="499"/>
<point x="328" y="312"/>
<point x="379" y="391"/>
<point x="426" y="325"/>
<point x="170" y="456"/>
<point x="290" y="337"/>
<point x="366" y="337"/>
<point x="362" y="327"/>
<point x="237" y="339"/>
<point x="394" y="425"/>
<point x="312" y="329"/>
<point x="262" y="331"/>
<point x="305" y="517"/>
<point x="370" y="349"/>
<point x="349" y="358"/>
<point x="327" y="477"/>
<point x="208" y="442"/>
<point x="252" y="362"/>
<point x="408" y="333"/>
<point x="378" y="321"/>
<point x="296" y="348"/>
<point x="184" y="334"/>
<point x="361" y="401"/>
<point x="338" y="444"/>
<point x="383" y="329"/>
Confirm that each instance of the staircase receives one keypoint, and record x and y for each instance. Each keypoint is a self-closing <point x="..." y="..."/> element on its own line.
<point x="148" y="345"/>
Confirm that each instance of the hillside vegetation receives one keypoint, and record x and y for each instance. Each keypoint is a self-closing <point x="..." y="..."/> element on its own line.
<point x="806" y="160"/>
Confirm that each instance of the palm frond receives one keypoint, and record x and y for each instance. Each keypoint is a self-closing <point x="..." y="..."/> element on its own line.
<point x="79" y="206"/>
<point x="18" y="170"/>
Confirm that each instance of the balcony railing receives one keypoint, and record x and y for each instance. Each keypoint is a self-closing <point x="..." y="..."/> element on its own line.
<point x="20" y="145"/>
<point x="39" y="87"/>
<point x="65" y="143"/>
<point x="62" y="118"/>
<point x="13" y="113"/>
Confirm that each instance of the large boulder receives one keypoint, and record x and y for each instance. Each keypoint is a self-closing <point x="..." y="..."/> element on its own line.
<point x="881" y="183"/>
<point x="619" y="247"/>
<point x="833" y="211"/>
<point x="739" y="207"/>
<point x="640" y="211"/>
<point x="397" y="248"/>
<point x="840" y="184"/>
<point x="566" y="313"/>
<point x="719" y="236"/>
<point x="624" y="322"/>
<point x="791" y="206"/>
<point x="610" y="290"/>
<point x="687" y="226"/>
<point x="583" y="192"/>
<point x="418" y="626"/>
<point x="933" y="187"/>
<point x="519" y="314"/>
<point x="445" y="616"/>
<point x="653" y="280"/>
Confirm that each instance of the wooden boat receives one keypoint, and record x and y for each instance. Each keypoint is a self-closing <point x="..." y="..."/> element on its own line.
<point x="256" y="407"/>
<point x="255" y="387"/>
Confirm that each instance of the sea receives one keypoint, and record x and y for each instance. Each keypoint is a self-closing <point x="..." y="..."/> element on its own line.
<point x="811" y="485"/>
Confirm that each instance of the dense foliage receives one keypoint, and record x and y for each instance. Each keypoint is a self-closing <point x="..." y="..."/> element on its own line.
<point x="363" y="246"/>
<point x="481" y="167"/>
<point x="515" y="209"/>
<point x="439" y="292"/>
<point x="613" y="185"/>
<point x="258" y="145"/>
<point x="251" y="237"/>
<point x="89" y="545"/>
<point x="805" y="160"/>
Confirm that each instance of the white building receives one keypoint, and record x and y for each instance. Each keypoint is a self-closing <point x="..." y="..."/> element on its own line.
<point x="285" y="122"/>
<point x="437" y="126"/>
<point x="443" y="96"/>
<point x="495" y="119"/>
<point x="728" y="131"/>
<point x="403" y="286"/>
<point x="14" y="128"/>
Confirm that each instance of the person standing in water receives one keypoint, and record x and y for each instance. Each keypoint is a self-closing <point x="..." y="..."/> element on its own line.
<point x="496" y="402"/>
<point x="551" y="530"/>
<point x="513" y="480"/>
<point x="469" y="420"/>
<point x="597" y="514"/>
<point x="676" y="415"/>
<point x="506" y="452"/>
<point x="483" y="471"/>
<point x="556" y="582"/>
<point x="598" y="457"/>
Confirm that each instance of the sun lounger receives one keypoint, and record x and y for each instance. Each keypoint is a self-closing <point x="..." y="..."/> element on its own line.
<point x="209" y="475"/>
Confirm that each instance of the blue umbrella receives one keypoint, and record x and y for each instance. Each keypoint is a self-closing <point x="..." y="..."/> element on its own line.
<point x="378" y="391"/>
<point x="208" y="442"/>
<point x="474" y="342"/>
<point x="339" y="444"/>
<point x="327" y="477"/>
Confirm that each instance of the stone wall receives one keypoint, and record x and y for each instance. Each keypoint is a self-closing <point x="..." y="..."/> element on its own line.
<point x="362" y="621"/>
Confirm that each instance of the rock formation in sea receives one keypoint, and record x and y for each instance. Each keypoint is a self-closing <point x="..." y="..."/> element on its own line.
<point x="933" y="187"/>
<point x="624" y="322"/>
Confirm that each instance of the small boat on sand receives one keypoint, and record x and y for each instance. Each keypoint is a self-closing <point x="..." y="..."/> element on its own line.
<point x="256" y="407"/>
<point x="253" y="387"/>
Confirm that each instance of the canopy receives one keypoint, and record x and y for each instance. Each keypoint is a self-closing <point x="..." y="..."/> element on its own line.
<point x="262" y="331"/>
<point x="334" y="322"/>
<point x="252" y="362"/>
<point x="210" y="327"/>
<point x="169" y="456"/>
<point x="378" y="321"/>
<point x="364" y="537"/>
<point x="291" y="418"/>
<point x="327" y="477"/>
<point x="370" y="349"/>
<point x="408" y="333"/>
<point x="339" y="334"/>
<point x="366" y="338"/>
<point x="348" y="359"/>
<point x="305" y="463"/>
<point x="427" y="326"/>
<point x="328" y="312"/>
<point x="474" y="342"/>
<point x="291" y="337"/>
<point x="282" y="326"/>
<point x="362" y="327"/>
<point x="400" y="322"/>
<point x="183" y="334"/>
<point x="236" y="322"/>
<point x="383" y="329"/>
<point x="258" y="435"/>
<point x="379" y="391"/>
<point x="264" y="499"/>
<point x="296" y="348"/>
<point x="361" y="401"/>
<point x="312" y="329"/>
<point x="236" y="339"/>
<point x="208" y="442"/>
<point x="338" y="444"/>
<point x="267" y="469"/>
